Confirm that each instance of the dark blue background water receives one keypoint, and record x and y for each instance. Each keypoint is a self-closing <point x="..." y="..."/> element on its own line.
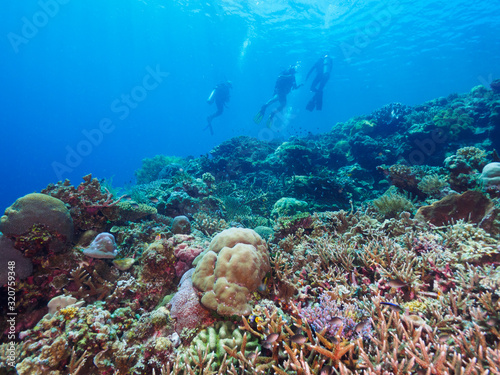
<point x="65" y="65"/>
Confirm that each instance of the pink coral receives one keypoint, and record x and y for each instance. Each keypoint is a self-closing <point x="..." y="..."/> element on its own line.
<point x="186" y="307"/>
<point x="185" y="250"/>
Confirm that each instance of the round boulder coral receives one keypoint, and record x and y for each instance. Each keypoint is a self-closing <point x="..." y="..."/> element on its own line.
<point x="491" y="174"/>
<point x="41" y="210"/>
<point x="288" y="207"/>
<point x="230" y="270"/>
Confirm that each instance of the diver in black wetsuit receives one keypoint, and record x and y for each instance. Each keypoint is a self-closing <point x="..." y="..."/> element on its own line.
<point x="220" y="95"/>
<point x="323" y="68"/>
<point x="284" y="84"/>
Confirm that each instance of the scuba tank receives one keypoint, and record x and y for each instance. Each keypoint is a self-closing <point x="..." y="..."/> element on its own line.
<point x="211" y="97"/>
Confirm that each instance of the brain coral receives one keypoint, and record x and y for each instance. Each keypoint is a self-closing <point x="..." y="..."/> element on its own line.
<point x="230" y="270"/>
<point x="39" y="209"/>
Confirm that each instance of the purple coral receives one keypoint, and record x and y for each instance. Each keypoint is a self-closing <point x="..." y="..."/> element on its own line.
<point x="327" y="315"/>
<point x="103" y="247"/>
<point x="186" y="307"/>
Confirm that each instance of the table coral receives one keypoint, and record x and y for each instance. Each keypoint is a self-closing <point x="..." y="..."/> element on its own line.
<point x="471" y="205"/>
<point x="232" y="268"/>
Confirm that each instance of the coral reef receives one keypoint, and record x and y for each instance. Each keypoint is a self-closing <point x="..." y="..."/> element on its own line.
<point x="337" y="275"/>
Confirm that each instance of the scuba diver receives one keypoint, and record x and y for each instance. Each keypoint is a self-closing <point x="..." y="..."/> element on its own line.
<point x="220" y="95"/>
<point x="323" y="67"/>
<point x="284" y="84"/>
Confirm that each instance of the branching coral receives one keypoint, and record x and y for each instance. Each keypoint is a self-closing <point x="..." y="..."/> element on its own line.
<point x="433" y="185"/>
<point x="393" y="203"/>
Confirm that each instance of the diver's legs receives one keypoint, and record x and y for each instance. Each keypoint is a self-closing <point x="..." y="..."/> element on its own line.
<point x="323" y="82"/>
<point x="270" y="101"/>
<point x="315" y="83"/>
<point x="214" y="115"/>
<point x="282" y="100"/>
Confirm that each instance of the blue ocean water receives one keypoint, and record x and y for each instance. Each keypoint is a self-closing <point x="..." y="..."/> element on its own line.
<point x="96" y="86"/>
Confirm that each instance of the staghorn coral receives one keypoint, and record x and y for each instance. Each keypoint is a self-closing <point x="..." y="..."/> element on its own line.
<point x="209" y="225"/>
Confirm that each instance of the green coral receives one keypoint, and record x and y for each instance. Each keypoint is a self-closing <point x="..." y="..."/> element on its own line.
<point x="213" y="339"/>
<point x="392" y="203"/>
<point x="433" y="184"/>
<point x="235" y="208"/>
<point x="130" y="211"/>
<point x="454" y="120"/>
<point x="363" y="126"/>
<point x="288" y="207"/>
<point x="151" y="168"/>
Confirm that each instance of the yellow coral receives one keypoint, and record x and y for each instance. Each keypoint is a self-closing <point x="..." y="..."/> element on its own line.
<point x="69" y="312"/>
<point x="416" y="306"/>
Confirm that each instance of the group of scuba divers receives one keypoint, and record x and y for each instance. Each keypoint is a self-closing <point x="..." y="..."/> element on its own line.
<point x="284" y="84"/>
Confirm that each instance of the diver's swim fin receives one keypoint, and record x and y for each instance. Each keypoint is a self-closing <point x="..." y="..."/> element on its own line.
<point x="209" y="127"/>
<point x="311" y="104"/>
<point x="319" y="100"/>
<point x="258" y="117"/>
<point x="269" y="122"/>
